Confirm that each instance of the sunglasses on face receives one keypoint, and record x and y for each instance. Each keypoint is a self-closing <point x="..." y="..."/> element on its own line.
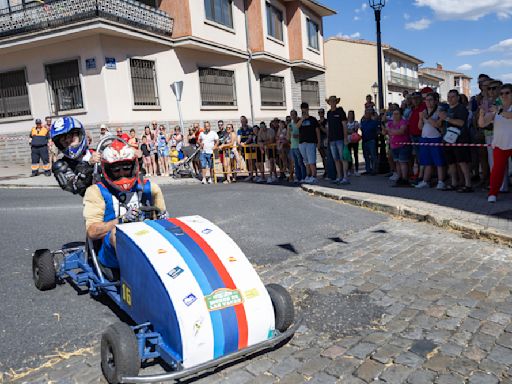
<point x="505" y="93"/>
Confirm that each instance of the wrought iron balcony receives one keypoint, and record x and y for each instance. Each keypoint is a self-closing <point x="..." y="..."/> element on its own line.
<point x="35" y="17"/>
<point x="402" y="80"/>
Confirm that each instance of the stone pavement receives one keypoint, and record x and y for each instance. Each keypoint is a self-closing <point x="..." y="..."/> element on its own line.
<point x="400" y="302"/>
<point x="466" y="212"/>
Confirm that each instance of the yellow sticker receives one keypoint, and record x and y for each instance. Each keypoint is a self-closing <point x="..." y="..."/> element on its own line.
<point x="162" y="250"/>
<point x="251" y="293"/>
<point x="142" y="232"/>
<point x="126" y="294"/>
<point x="232" y="259"/>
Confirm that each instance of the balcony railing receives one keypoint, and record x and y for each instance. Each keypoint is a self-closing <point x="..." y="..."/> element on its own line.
<point x="402" y="80"/>
<point x="35" y="17"/>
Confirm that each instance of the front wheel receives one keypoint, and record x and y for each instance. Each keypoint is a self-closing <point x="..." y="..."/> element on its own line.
<point x="119" y="353"/>
<point x="282" y="302"/>
<point x="43" y="270"/>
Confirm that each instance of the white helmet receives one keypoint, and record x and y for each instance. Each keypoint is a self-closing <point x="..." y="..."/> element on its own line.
<point x="119" y="165"/>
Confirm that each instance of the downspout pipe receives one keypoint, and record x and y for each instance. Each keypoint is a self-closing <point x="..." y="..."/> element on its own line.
<point x="249" y="59"/>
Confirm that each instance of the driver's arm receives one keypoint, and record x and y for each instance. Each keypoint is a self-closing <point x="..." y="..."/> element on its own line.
<point x="94" y="211"/>
<point x="158" y="197"/>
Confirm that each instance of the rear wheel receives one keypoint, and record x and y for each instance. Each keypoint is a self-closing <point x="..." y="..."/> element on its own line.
<point x="283" y="306"/>
<point x="119" y="353"/>
<point x="43" y="270"/>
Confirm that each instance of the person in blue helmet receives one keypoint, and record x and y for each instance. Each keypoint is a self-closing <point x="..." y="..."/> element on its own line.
<point x="74" y="171"/>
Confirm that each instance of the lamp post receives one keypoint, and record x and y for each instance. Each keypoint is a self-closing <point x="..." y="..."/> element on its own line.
<point x="375" y="89"/>
<point x="177" y="88"/>
<point x="377" y="6"/>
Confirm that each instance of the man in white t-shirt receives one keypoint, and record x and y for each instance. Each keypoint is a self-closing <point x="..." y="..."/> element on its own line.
<point x="208" y="141"/>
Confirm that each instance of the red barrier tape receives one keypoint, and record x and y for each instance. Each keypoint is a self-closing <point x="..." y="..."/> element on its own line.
<point x="447" y="145"/>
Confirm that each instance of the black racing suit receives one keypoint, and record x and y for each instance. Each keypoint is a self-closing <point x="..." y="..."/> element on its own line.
<point x="74" y="176"/>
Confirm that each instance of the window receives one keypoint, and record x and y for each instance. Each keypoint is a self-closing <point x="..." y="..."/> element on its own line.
<point x="312" y="28"/>
<point x="219" y="11"/>
<point x="65" y="89"/>
<point x="272" y="91"/>
<point x="274" y="22"/>
<point x="14" y="94"/>
<point x="310" y="92"/>
<point x="217" y="87"/>
<point x="456" y="81"/>
<point x="145" y="91"/>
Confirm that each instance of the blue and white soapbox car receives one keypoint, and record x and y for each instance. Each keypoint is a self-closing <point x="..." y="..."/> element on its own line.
<point x="196" y="301"/>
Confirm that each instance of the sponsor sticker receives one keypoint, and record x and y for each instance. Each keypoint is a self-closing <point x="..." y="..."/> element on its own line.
<point x="197" y="326"/>
<point x="206" y="231"/>
<point x="232" y="259"/>
<point x="160" y="250"/>
<point x="142" y="232"/>
<point x="175" y="272"/>
<point x="189" y="300"/>
<point x="271" y="333"/>
<point x="223" y="298"/>
<point x="126" y="294"/>
<point x="251" y="293"/>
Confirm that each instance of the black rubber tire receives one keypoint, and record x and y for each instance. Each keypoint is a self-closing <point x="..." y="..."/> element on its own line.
<point x="282" y="302"/>
<point x="119" y="353"/>
<point x="43" y="270"/>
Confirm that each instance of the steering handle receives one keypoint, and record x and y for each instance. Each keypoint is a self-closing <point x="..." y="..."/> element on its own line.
<point x="150" y="209"/>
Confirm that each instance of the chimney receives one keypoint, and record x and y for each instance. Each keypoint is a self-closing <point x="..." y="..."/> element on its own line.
<point x="439" y="66"/>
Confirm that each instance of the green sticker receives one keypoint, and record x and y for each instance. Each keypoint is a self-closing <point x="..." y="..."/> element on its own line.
<point x="223" y="298"/>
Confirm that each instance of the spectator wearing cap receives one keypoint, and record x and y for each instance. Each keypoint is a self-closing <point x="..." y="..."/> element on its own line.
<point x="38" y="140"/>
<point x="309" y="141"/>
<point x="501" y="114"/>
<point x="104" y="132"/>
<point x="337" y="135"/>
<point x="415" y="131"/>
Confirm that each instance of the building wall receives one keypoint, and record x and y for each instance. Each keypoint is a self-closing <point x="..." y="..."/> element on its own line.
<point x="272" y="45"/>
<point x="299" y="74"/>
<point x="351" y="70"/>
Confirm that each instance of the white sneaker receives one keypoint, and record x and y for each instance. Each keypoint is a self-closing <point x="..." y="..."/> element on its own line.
<point x="422" y="185"/>
<point x="441" y="185"/>
<point x="313" y="180"/>
<point x="307" y="179"/>
<point x="210" y="180"/>
<point x="203" y="181"/>
<point x="394" y="177"/>
<point x="491" y="199"/>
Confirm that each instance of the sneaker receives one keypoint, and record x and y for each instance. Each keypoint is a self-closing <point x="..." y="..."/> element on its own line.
<point x="313" y="180"/>
<point x="203" y="181"/>
<point x="270" y="180"/>
<point x="335" y="181"/>
<point x="257" y="179"/>
<point x="344" y="181"/>
<point x="394" y="177"/>
<point x="491" y="199"/>
<point x="303" y="181"/>
<point x="422" y="185"/>
<point x="307" y="179"/>
<point x="210" y="180"/>
<point x="441" y="185"/>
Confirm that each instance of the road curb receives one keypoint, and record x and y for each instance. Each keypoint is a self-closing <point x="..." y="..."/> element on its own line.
<point x="370" y="201"/>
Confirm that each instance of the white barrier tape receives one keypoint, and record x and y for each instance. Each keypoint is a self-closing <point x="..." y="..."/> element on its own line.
<point x="13" y="138"/>
<point x="447" y="145"/>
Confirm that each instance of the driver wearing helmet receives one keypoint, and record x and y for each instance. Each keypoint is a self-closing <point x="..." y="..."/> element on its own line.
<point x="74" y="172"/>
<point x="117" y="197"/>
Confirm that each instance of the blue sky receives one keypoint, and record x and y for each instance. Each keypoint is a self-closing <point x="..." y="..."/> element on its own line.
<point x="472" y="36"/>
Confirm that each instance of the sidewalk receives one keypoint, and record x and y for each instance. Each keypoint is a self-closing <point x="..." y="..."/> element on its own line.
<point x="469" y="213"/>
<point x="17" y="176"/>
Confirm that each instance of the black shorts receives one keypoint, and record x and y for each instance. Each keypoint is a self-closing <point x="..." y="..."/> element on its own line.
<point x="454" y="155"/>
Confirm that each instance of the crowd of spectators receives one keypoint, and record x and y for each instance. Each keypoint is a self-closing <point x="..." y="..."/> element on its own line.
<point x="423" y="143"/>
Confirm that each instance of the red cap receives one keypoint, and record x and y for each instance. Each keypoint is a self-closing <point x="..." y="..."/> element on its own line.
<point x="427" y="90"/>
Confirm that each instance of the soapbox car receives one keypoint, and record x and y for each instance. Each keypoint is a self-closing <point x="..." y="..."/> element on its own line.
<point x="195" y="300"/>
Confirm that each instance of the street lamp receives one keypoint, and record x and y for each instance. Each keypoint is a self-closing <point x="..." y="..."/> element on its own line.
<point x="377" y="6"/>
<point x="375" y="89"/>
<point x="177" y="89"/>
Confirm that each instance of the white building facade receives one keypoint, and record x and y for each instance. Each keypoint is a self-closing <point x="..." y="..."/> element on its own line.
<point x="113" y="61"/>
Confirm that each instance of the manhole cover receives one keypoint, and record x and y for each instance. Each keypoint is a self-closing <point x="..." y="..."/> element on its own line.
<point x="339" y="315"/>
<point x="507" y="215"/>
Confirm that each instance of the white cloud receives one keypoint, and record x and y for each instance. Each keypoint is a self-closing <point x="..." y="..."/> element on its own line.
<point x="355" y="35"/>
<point x="407" y="16"/>
<point x="464" y="67"/>
<point x="356" y="18"/>
<point x="418" y="25"/>
<point x="468" y="10"/>
<point x="502" y="46"/>
<point x="364" y="6"/>
<point x="496" y="63"/>
<point x="506" y="77"/>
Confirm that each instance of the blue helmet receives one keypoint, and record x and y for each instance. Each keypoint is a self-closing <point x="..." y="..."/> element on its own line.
<point x="64" y="126"/>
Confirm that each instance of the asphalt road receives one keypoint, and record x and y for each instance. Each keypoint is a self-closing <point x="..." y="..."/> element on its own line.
<point x="268" y="222"/>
